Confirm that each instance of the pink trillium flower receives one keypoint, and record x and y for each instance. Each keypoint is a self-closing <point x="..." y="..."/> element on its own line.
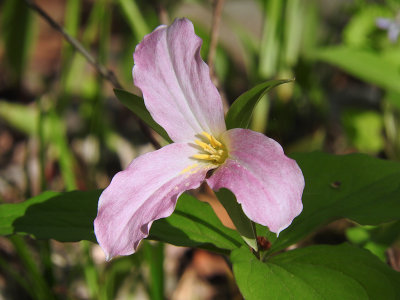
<point x="180" y="96"/>
<point x="392" y="27"/>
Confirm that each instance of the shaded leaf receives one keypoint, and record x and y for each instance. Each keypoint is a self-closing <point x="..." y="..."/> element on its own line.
<point x="69" y="217"/>
<point x="355" y="186"/>
<point x="194" y="224"/>
<point x="136" y="105"/>
<point x="17" y="32"/>
<point x="243" y="224"/>
<point x="65" y="217"/>
<point x="239" y="114"/>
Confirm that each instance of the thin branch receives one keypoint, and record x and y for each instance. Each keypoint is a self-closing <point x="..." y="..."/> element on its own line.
<point x="217" y="11"/>
<point x="107" y="74"/>
<point x="162" y="14"/>
<point x="212" y="50"/>
<point x="102" y="70"/>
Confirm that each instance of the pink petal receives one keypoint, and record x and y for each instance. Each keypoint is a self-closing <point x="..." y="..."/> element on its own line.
<point x="267" y="184"/>
<point x="176" y="84"/>
<point x="146" y="191"/>
<point x="383" y="23"/>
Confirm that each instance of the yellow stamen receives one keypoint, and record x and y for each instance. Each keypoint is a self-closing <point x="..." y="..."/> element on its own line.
<point x="206" y="147"/>
<point x="215" y="143"/>
<point x="212" y="139"/>
<point x="215" y="151"/>
<point x="203" y="156"/>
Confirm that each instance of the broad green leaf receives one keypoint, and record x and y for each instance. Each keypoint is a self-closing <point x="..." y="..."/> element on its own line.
<point x="136" y="105"/>
<point x="69" y="216"/>
<point x="356" y="186"/>
<point x="316" y="272"/>
<point x="364" y="64"/>
<point x="239" y="114"/>
<point x="66" y="217"/>
<point x="194" y="224"/>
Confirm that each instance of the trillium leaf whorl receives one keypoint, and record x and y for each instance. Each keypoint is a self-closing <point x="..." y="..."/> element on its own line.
<point x="180" y="96"/>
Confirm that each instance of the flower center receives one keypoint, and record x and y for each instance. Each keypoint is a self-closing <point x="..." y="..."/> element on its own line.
<point x="212" y="149"/>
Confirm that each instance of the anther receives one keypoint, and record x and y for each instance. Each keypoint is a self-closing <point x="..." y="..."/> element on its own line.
<point x="214" y="150"/>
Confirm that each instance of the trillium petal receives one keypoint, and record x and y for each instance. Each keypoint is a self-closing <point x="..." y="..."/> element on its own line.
<point x="394" y="31"/>
<point x="267" y="184"/>
<point x="383" y="23"/>
<point x="176" y="84"/>
<point x="146" y="191"/>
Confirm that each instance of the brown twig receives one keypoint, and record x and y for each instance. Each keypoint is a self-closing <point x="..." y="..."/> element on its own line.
<point x="212" y="50"/>
<point x="216" y="20"/>
<point x="103" y="71"/>
<point x="162" y="14"/>
<point x="107" y="74"/>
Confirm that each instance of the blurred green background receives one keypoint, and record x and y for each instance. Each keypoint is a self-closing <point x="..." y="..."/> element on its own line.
<point x="62" y="128"/>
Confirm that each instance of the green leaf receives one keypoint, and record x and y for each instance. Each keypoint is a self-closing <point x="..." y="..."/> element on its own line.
<point x="364" y="64"/>
<point x="48" y="126"/>
<point x="58" y="138"/>
<point x="355" y="186"/>
<point x="136" y="105"/>
<point x="364" y="129"/>
<point x="194" y="224"/>
<point x="316" y="272"/>
<point x="243" y="224"/>
<point x="65" y="217"/>
<point x="134" y="17"/>
<point x="69" y="217"/>
<point x="17" y="33"/>
<point x="362" y="23"/>
<point x="271" y="43"/>
<point x="154" y="255"/>
<point x="376" y="239"/>
<point x="239" y="114"/>
<point x="22" y="117"/>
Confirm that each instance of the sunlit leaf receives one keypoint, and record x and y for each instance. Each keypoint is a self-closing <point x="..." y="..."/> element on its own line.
<point x="364" y="129"/>
<point x="316" y="272"/>
<point x="364" y="64"/>
<point x="134" y="17"/>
